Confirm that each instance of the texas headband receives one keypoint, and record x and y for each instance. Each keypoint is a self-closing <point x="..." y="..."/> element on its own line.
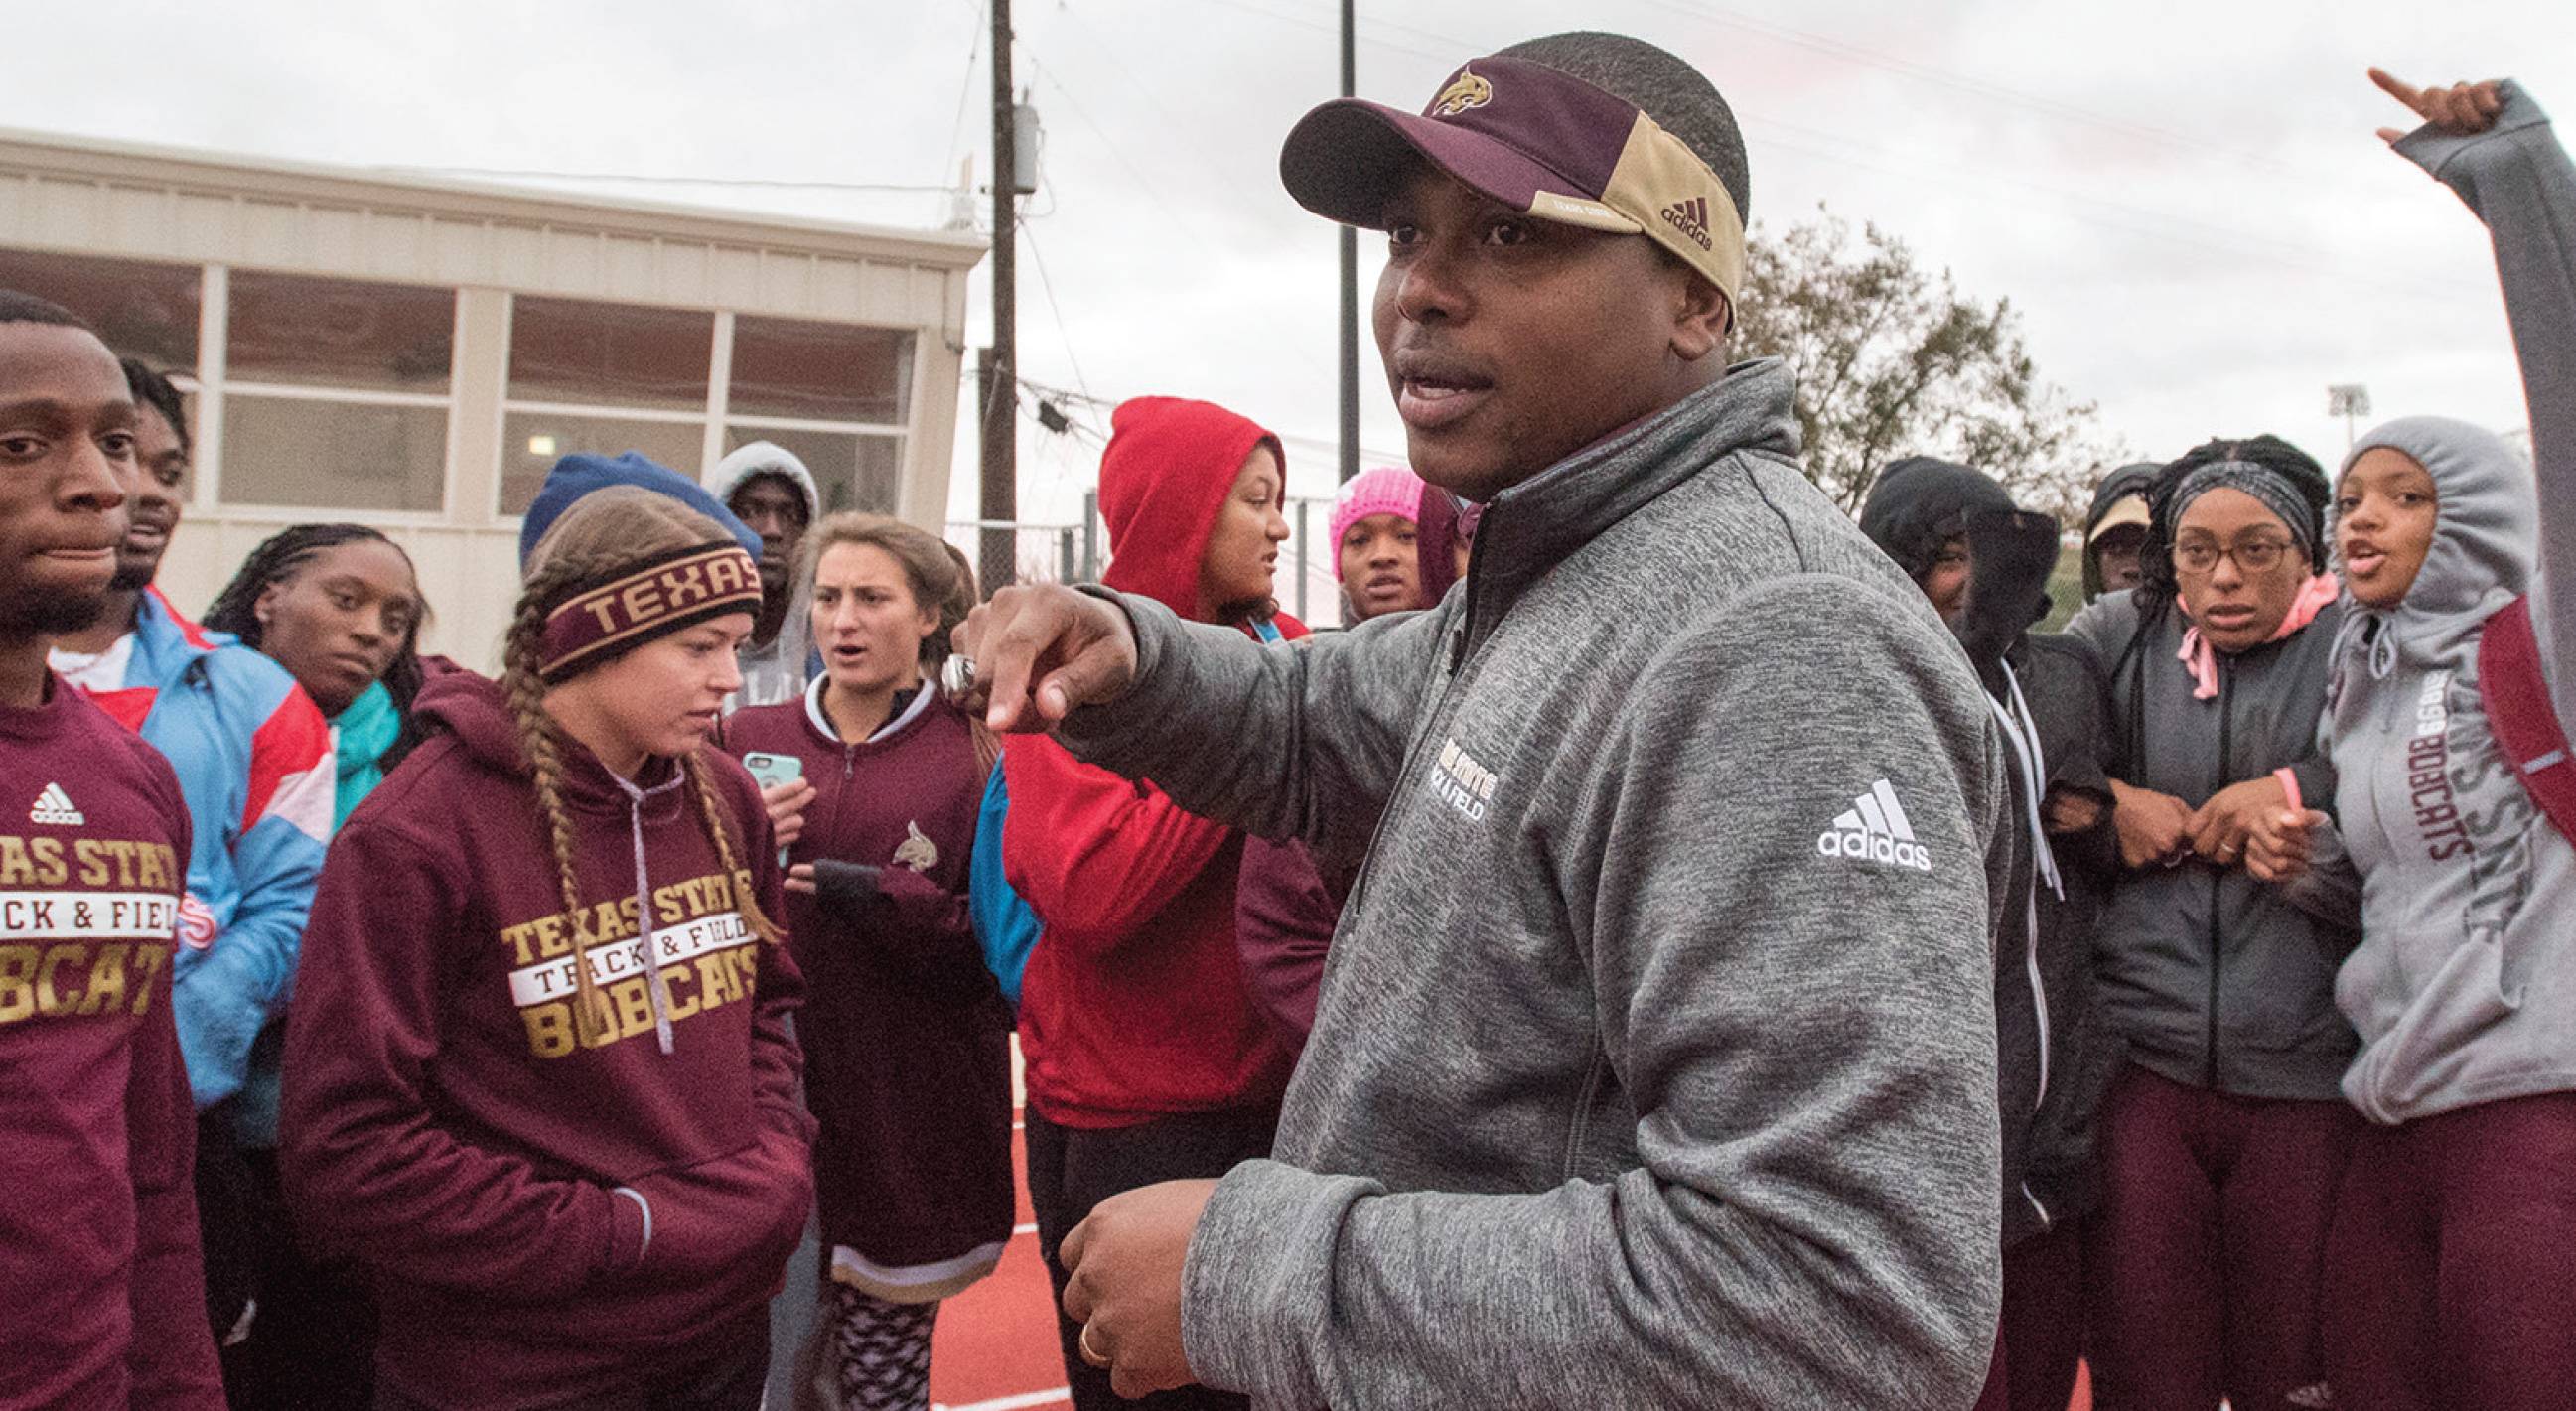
<point x="1535" y="140"/>
<point x="634" y="603"/>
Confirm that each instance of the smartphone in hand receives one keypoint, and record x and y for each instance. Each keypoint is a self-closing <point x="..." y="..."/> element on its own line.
<point x="769" y="770"/>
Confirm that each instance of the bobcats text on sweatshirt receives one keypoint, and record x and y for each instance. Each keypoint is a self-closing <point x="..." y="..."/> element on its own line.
<point x="1654" y="1063"/>
<point x="102" y="1299"/>
<point x="545" y="1215"/>
<point x="2464" y="987"/>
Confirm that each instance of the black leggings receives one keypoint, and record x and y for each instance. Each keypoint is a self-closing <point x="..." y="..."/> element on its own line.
<point x="1072" y="1169"/>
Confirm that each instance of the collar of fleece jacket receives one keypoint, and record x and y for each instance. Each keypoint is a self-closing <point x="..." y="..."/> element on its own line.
<point x="1170" y="464"/>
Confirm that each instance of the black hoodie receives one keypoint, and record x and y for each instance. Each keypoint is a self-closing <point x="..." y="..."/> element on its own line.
<point x="2055" y="1058"/>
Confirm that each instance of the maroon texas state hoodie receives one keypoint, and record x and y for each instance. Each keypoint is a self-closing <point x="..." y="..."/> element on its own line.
<point x="544" y="1219"/>
<point x="102" y="1298"/>
<point x="1133" y="1005"/>
<point x="907" y="1038"/>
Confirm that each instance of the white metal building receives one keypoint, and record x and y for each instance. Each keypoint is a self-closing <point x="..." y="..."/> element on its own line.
<point x="414" y="354"/>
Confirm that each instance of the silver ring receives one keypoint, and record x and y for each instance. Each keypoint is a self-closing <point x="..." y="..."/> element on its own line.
<point x="957" y="675"/>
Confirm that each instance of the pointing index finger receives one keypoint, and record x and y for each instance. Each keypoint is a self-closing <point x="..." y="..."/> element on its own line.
<point x="2397" y="88"/>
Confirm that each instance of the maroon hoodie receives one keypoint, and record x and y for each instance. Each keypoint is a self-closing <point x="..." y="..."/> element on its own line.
<point x="102" y="1299"/>
<point x="907" y="1039"/>
<point x="544" y="1220"/>
<point x="1133" y="1005"/>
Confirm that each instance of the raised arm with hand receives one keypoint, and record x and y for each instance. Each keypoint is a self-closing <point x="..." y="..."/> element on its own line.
<point x="1301" y="742"/>
<point x="2493" y="146"/>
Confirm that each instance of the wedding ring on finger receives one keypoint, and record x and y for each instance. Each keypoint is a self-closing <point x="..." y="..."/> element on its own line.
<point x="1091" y="1354"/>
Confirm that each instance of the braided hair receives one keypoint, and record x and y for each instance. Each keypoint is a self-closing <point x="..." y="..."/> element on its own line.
<point x="601" y="531"/>
<point x="279" y="558"/>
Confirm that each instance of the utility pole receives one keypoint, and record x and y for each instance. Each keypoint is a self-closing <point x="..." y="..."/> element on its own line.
<point x="1350" y="289"/>
<point x="999" y="387"/>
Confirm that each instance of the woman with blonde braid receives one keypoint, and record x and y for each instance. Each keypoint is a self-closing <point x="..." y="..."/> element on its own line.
<point x="539" y="1081"/>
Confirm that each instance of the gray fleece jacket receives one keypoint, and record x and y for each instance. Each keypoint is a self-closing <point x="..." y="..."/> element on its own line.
<point x="2464" y="989"/>
<point x="1655" y="1060"/>
<point x="2216" y="979"/>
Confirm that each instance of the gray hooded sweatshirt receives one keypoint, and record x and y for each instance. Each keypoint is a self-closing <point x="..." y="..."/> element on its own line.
<point x="1655" y="1057"/>
<point x="776" y="670"/>
<point x="2464" y="989"/>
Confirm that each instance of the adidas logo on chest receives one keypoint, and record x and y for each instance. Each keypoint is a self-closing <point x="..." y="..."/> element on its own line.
<point x="1875" y="829"/>
<point x="56" y="807"/>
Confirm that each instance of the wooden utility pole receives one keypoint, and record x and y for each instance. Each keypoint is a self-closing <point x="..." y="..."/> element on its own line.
<point x="1350" y="293"/>
<point x="999" y="387"/>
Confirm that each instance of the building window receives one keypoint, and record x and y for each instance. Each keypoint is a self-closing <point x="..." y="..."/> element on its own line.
<point x="605" y="379"/>
<point x="144" y="311"/>
<point x="336" y="393"/>
<point x="800" y="371"/>
<point x="835" y="394"/>
<point x="852" y="470"/>
<point x="329" y="454"/>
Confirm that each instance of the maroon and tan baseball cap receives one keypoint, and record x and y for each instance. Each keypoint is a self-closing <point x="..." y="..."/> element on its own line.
<point x="1531" y="138"/>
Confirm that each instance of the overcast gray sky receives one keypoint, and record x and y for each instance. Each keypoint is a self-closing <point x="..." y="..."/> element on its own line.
<point x="2185" y="200"/>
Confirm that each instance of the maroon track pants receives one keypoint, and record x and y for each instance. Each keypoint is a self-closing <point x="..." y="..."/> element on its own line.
<point x="2452" y="1268"/>
<point x="2206" y="1257"/>
<point x="2043" y="1328"/>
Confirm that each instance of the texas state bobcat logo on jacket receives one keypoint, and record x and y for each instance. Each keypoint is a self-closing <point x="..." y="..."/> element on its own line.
<point x="916" y="851"/>
<point x="706" y="951"/>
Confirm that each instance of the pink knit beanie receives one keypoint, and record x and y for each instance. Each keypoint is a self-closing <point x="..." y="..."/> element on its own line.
<point x="1389" y="489"/>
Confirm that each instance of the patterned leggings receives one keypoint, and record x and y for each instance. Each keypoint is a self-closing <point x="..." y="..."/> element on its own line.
<point x="882" y="1351"/>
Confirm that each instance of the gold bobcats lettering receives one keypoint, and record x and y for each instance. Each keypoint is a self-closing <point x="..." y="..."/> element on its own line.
<point x="77" y="978"/>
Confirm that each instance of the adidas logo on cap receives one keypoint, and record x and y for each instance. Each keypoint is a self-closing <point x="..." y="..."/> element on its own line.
<point x="1875" y="830"/>
<point x="55" y="806"/>
<point x="1690" y="218"/>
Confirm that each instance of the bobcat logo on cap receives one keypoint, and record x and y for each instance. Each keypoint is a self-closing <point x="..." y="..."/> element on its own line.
<point x="1464" y="92"/>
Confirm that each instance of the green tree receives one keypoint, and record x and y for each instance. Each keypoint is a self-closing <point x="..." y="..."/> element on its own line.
<point x="1892" y="361"/>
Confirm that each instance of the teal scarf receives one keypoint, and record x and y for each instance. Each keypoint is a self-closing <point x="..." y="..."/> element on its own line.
<point x="362" y="733"/>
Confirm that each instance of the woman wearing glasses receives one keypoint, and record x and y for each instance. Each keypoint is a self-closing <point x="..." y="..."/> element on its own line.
<point x="2223" y="1140"/>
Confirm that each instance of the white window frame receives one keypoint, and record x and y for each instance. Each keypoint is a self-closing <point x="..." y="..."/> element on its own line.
<point x="215" y="384"/>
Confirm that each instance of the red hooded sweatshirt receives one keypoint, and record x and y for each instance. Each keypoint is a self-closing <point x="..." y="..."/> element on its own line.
<point x="102" y="1299"/>
<point x="544" y="1220"/>
<point x="1133" y="1005"/>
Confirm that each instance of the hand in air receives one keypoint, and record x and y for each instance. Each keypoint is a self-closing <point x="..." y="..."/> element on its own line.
<point x="1039" y="652"/>
<point x="2282" y="843"/>
<point x="2462" y="108"/>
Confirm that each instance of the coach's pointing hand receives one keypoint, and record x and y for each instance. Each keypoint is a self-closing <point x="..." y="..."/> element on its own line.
<point x="1039" y="652"/>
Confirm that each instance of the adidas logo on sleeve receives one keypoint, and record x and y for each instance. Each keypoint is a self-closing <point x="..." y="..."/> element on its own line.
<point x="56" y="807"/>
<point x="1874" y="829"/>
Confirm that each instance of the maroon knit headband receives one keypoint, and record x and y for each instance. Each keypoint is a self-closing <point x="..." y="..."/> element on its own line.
<point x="637" y="602"/>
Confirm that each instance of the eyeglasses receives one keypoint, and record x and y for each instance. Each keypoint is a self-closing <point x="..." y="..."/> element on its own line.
<point x="2252" y="556"/>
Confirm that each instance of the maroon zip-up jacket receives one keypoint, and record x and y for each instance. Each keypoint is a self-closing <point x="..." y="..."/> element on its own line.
<point x="102" y="1297"/>
<point x="544" y="1220"/>
<point x="907" y="1039"/>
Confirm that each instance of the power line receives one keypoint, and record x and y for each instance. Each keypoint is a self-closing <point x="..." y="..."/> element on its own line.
<point x="1047" y="287"/>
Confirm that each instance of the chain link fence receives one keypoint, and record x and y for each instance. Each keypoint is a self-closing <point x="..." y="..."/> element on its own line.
<point x="1018" y="551"/>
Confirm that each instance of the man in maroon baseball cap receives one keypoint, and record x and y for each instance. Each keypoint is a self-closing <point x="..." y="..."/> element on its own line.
<point x="1654" y="1058"/>
<point x="1527" y="169"/>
